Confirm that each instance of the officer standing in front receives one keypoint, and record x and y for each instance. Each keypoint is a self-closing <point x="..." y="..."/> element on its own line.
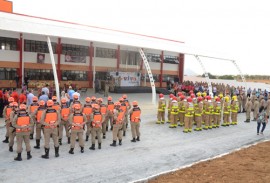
<point x="135" y="120"/>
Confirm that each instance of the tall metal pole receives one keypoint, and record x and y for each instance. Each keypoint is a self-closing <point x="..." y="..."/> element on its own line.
<point x="54" y="69"/>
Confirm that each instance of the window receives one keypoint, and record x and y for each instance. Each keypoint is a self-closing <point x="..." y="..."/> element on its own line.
<point x="153" y="57"/>
<point x="8" y="43"/>
<point x="155" y="77"/>
<point x="102" y="75"/>
<point x="38" y="46"/>
<point x="171" y="59"/>
<point x="105" y="53"/>
<point x="39" y="74"/>
<point x="7" y="73"/>
<point x="129" y="57"/>
<point x="74" y="75"/>
<point x="75" y="50"/>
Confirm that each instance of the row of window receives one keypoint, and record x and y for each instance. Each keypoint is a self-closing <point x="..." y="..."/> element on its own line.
<point x="126" y="57"/>
<point x="7" y="73"/>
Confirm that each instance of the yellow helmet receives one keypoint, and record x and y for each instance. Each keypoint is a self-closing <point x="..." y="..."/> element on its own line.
<point x="226" y="99"/>
<point x="234" y="98"/>
<point x="199" y="94"/>
<point x="220" y="95"/>
<point x="204" y="94"/>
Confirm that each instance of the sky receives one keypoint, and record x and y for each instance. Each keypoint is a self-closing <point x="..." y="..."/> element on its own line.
<point x="237" y="29"/>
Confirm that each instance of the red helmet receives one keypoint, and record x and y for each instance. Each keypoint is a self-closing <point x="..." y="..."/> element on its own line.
<point x="179" y="94"/>
<point x="192" y="95"/>
<point x="93" y="98"/>
<point x="200" y="99"/>
<point x="218" y="99"/>
<point x="191" y="91"/>
<point x="121" y="99"/>
<point x="208" y="97"/>
<point x="54" y="98"/>
<point x="100" y="99"/>
<point x="49" y="103"/>
<point x="109" y="98"/>
<point x="11" y="104"/>
<point x="87" y="99"/>
<point x="124" y="96"/>
<point x="77" y="106"/>
<point x="10" y="99"/>
<point x="174" y="98"/>
<point x="63" y="100"/>
<point x="182" y="97"/>
<point x="189" y="99"/>
<point x="41" y="103"/>
<point x="134" y="103"/>
<point x="35" y="99"/>
<point x="22" y="107"/>
<point x="161" y="95"/>
<point x="171" y="95"/>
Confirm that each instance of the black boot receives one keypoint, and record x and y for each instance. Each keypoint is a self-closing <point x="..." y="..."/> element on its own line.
<point x="10" y="149"/>
<point x="60" y="141"/>
<point x="92" y="147"/>
<point x="138" y="138"/>
<point x="99" y="145"/>
<point x="133" y="140"/>
<point x="38" y="144"/>
<point x="247" y="121"/>
<point x="77" y="140"/>
<point x="68" y="140"/>
<point x="29" y="156"/>
<point x="124" y="133"/>
<point x="87" y="137"/>
<point x="71" y="151"/>
<point x="6" y="140"/>
<point x="56" y="151"/>
<point x="104" y="136"/>
<point x="111" y="128"/>
<point x="113" y="144"/>
<point x="82" y="149"/>
<point x="120" y="142"/>
<point x="19" y="157"/>
<point x="96" y="138"/>
<point x="46" y="155"/>
<point x="31" y="136"/>
<point x="106" y="128"/>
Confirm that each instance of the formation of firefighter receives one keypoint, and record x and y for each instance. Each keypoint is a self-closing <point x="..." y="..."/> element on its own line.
<point x="206" y="112"/>
<point x="94" y="117"/>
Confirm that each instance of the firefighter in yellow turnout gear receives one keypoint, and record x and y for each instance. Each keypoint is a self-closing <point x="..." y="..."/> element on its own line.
<point x="168" y="108"/>
<point x="234" y="110"/>
<point x="198" y="110"/>
<point x="182" y="109"/>
<point x="216" y="113"/>
<point x="226" y="112"/>
<point x="161" y="109"/>
<point x="174" y="112"/>
<point x="189" y="114"/>
<point x="208" y="113"/>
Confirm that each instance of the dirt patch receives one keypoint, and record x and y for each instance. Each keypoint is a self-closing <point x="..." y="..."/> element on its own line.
<point x="247" y="165"/>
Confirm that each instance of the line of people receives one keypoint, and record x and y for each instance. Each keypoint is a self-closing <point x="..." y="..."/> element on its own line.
<point x="93" y="117"/>
<point x="204" y="111"/>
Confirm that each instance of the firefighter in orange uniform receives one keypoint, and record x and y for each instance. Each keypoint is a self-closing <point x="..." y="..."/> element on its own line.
<point x="110" y="107"/>
<point x="36" y="116"/>
<point x="125" y="110"/>
<point x="104" y="112"/>
<point x="56" y="104"/>
<point x="22" y="122"/>
<point x="135" y="119"/>
<point x="97" y="119"/>
<point x="87" y="111"/>
<point x="161" y="109"/>
<point x="65" y="111"/>
<point x="77" y="121"/>
<point x="31" y="109"/>
<point x="50" y="119"/>
<point x="118" y="118"/>
<point x="6" y="114"/>
<point x="93" y="100"/>
<point x="12" y="130"/>
<point x="75" y="101"/>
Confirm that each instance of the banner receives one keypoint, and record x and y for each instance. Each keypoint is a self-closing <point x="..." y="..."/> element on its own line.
<point x="40" y="58"/>
<point x="75" y="59"/>
<point x="126" y="78"/>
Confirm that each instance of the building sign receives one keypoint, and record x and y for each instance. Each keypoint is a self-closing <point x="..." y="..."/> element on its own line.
<point x="6" y="6"/>
<point x="126" y="78"/>
<point x="40" y="58"/>
<point x="75" y="59"/>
